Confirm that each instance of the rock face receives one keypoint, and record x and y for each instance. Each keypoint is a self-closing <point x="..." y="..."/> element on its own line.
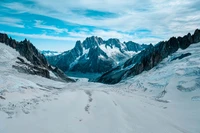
<point x="25" y="67"/>
<point x="95" y="55"/>
<point x="132" y="46"/>
<point x="148" y="58"/>
<point x="38" y="64"/>
<point x="26" y="49"/>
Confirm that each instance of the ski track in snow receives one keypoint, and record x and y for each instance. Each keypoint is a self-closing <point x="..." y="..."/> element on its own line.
<point x="165" y="99"/>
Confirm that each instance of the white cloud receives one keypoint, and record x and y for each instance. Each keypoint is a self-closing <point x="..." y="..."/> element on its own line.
<point x="163" y="18"/>
<point x="14" y="22"/>
<point x="74" y="36"/>
<point x="40" y="36"/>
<point x="39" y="24"/>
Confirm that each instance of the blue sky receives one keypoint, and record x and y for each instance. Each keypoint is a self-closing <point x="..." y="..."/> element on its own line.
<point x="58" y="24"/>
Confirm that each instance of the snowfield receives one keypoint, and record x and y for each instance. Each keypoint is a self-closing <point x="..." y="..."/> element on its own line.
<point x="165" y="99"/>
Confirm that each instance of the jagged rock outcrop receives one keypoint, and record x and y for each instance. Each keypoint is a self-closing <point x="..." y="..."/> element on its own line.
<point x="132" y="46"/>
<point x="26" y="49"/>
<point x="148" y="58"/>
<point x="181" y="56"/>
<point x="38" y="64"/>
<point x="91" y="42"/>
<point x="25" y="67"/>
<point x="196" y="36"/>
<point x="94" y="55"/>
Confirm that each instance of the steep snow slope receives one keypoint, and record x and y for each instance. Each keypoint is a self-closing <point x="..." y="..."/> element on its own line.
<point x="115" y="53"/>
<point x="165" y="99"/>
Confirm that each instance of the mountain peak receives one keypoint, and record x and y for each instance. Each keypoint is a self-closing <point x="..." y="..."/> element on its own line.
<point x="92" y="41"/>
<point x="133" y="46"/>
<point x="114" y="42"/>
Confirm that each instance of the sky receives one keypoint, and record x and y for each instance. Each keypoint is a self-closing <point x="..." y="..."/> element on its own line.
<point x="58" y="24"/>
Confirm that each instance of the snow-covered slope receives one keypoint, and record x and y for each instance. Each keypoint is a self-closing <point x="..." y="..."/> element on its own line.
<point x="165" y="99"/>
<point x="10" y="78"/>
<point x="18" y="90"/>
<point x="35" y="63"/>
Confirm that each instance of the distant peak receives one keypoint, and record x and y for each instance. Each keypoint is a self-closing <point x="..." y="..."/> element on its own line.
<point x="78" y="45"/>
<point x="131" y="42"/>
<point x="93" y="37"/>
<point x="113" y="41"/>
<point x="92" y="41"/>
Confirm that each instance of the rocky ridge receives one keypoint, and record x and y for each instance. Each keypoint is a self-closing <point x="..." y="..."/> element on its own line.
<point x="37" y="64"/>
<point x="148" y="58"/>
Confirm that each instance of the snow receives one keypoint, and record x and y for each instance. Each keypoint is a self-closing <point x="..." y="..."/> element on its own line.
<point x="147" y="103"/>
<point x="115" y="53"/>
<point x="85" y="53"/>
<point x="110" y="51"/>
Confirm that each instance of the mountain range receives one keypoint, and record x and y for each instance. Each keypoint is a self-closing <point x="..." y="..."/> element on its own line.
<point x="95" y="55"/>
<point x="117" y="61"/>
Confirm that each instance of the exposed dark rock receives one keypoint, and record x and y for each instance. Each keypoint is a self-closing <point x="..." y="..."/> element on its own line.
<point x="20" y="59"/>
<point x="1" y="97"/>
<point x="132" y="46"/>
<point x="196" y="36"/>
<point x="181" y="56"/>
<point x="91" y="42"/>
<point x="24" y="67"/>
<point x="185" y="41"/>
<point x="32" y="69"/>
<point x="113" y="42"/>
<point x="149" y="58"/>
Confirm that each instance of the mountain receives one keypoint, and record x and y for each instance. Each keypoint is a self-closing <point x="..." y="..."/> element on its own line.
<point x="95" y="55"/>
<point x="149" y="58"/>
<point x="49" y="53"/>
<point x="31" y="61"/>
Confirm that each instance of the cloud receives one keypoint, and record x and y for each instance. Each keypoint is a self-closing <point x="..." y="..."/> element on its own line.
<point x="40" y="36"/>
<point x="39" y="24"/>
<point x="14" y="22"/>
<point x="121" y="19"/>
<point x="74" y="36"/>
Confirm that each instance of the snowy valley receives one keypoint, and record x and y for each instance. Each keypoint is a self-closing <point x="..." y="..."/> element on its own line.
<point x="164" y="99"/>
<point x="99" y="66"/>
